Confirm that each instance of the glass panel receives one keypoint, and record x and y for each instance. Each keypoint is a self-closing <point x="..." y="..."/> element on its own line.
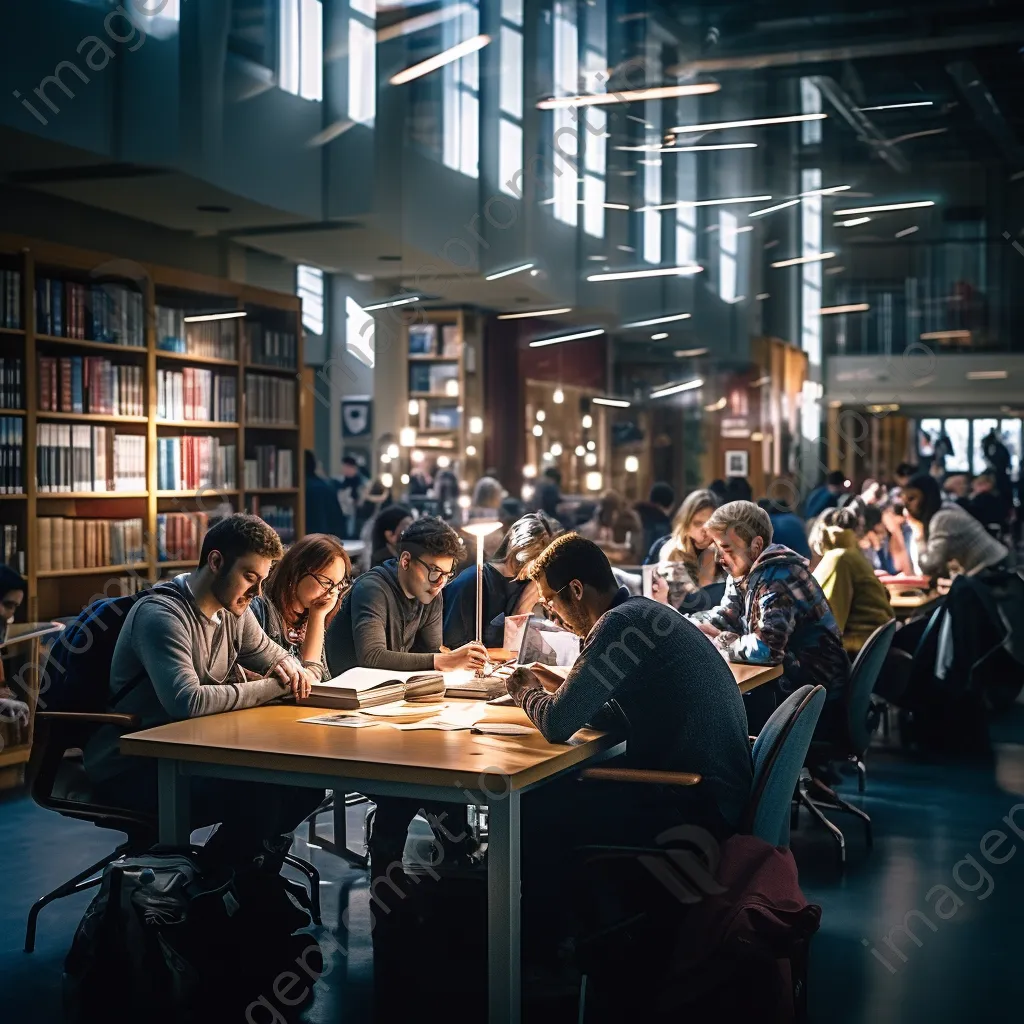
<point x="510" y="156"/>
<point x="1011" y="438"/>
<point x="981" y="428"/>
<point x="510" y="86"/>
<point x="312" y="57"/>
<point x="593" y="206"/>
<point x="928" y="431"/>
<point x="958" y="432"/>
<point x="362" y="72"/>
<point x="810" y="223"/>
<point x="359" y="331"/>
<point x="566" y="67"/>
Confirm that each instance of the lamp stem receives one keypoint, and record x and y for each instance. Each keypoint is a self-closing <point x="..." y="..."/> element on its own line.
<point x="480" y="589"/>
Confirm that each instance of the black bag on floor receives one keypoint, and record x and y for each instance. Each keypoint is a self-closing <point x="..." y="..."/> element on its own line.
<point x="165" y="941"/>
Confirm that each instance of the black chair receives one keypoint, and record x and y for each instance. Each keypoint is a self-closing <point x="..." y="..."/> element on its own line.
<point x="854" y="736"/>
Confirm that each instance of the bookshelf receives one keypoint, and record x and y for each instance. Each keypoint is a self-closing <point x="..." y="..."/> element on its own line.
<point x="83" y="313"/>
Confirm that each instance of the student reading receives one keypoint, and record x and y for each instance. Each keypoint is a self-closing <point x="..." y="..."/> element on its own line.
<point x="182" y="653"/>
<point x="391" y="619"/>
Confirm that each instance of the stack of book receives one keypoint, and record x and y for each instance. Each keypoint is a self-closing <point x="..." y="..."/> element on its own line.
<point x="195" y="394"/>
<point x="282" y="520"/>
<point x="81" y="458"/>
<point x="270" y="348"/>
<point x="212" y="339"/>
<point x="112" y="313"/>
<point x="13" y="553"/>
<point x="90" y="384"/>
<point x="179" y="535"/>
<point x="66" y="543"/>
<point x="10" y="299"/>
<point x="270" y="467"/>
<point x="434" y="379"/>
<point x="10" y="382"/>
<point x="12" y="479"/>
<point x="193" y="462"/>
<point x="269" y="400"/>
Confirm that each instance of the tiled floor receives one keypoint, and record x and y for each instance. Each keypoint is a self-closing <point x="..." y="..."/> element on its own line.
<point x="929" y="817"/>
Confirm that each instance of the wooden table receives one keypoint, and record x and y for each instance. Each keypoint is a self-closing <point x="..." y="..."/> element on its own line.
<point x="750" y="677"/>
<point x="904" y="605"/>
<point x="271" y="744"/>
<point x="24" y="633"/>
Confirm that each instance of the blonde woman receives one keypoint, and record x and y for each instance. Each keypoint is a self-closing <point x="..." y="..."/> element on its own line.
<point x="686" y="557"/>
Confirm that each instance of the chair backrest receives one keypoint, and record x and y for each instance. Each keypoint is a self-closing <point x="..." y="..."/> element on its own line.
<point x="866" y="668"/>
<point x="779" y="753"/>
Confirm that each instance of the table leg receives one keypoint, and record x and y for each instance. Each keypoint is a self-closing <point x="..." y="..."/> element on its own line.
<point x="504" y="981"/>
<point x="174" y="801"/>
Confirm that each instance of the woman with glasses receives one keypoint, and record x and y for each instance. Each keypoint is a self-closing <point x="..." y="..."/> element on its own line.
<point x="302" y="596"/>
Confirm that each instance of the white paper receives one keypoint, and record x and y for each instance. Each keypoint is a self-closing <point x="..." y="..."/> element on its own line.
<point x="359" y="680"/>
<point x="399" y="709"/>
<point x="344" y="721"/>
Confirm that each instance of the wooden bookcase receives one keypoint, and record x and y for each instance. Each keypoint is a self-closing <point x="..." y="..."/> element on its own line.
<point x="63" y="592"/>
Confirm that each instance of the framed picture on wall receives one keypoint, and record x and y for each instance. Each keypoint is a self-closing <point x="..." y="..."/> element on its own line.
<point x="357" y="418"/>
<point x="737" y="463"/>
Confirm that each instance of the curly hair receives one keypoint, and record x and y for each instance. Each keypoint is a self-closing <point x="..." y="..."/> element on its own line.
<point x="431" y="535"/>
<point x="240" y="534"/>
<point x="572" y="557"/>
<point x="313" y="554"/>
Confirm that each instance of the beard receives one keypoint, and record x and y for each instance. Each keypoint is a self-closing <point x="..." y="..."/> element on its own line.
<point x="235" y="603"/>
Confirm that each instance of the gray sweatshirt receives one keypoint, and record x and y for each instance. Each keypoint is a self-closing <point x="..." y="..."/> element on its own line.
<point x="377" y="626"/>
<point x="955" y="535"/>
<point x="172" y="662"/>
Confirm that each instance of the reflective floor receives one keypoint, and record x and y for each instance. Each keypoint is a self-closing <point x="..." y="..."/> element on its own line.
<point x="959" y="962"/>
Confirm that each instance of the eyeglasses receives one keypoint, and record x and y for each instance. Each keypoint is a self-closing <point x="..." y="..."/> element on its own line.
<point x="435" y="575"/>
<point x="546" y="601"/>
<point x="329" y="586"/>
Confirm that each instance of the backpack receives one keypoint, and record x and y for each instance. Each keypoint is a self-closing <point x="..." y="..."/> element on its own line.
<point x="76" y="672"/>
<point x="169" y="941"/>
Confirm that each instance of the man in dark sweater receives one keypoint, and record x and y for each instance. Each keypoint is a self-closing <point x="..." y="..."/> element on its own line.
<point x="645" y="670"/>
<point x="391" y="619"/>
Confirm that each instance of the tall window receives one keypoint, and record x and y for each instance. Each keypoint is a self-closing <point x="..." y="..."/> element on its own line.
<point x="461" y="86"/>
<point x="510" y="98"/>
<point x="595" y="74"/>
<point x="309" y="286"/>
<point x="651" y="164"/>
<point x="728" y="255"/>
<point x="567" y="72"/>
<point x="362" y="61"/>
<point x="686" y="190"/>
<point x="810" y="304"/>
<point x="810" y="103"/>
<point x="301" y="48"/>
<point x="359" y="330"/>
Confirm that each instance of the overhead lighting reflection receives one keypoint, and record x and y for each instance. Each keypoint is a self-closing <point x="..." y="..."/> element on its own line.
<point x="675" y="389"/>
<point x="615" y="403"/>
<point x="942" y="335"/>
<point x="403" y="301"/>
<point x="685" y="149"/>
<point x="686" y="353"/>
<point x="907" y="231"/>
<point x="671" y="318"/>
<point x="686" y="204"/>
<point x="831" y="190"/>
<point x="898" y="106"/>
<point x="542" y="342"/>
<point x="751" y="123"/>
<point x="813" y="258"/>
<point x="883" y="209"/>
<point x="853" y="307"/>
<point x="987" y="374"/>
<point x="632" y="275"/>
<point x="509" y="272"/>
<point x="659" y="336"/>
<point x="440" y="60"/>
<point x="853" y="223"/>
<point x="203" y="317"/>
<point x="772" y="209"/>
<point x="536" y="312"/>
<point x="422" y="21"/>
<point x="658" y="92"/>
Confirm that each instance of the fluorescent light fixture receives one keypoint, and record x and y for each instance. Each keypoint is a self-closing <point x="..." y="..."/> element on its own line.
<point x="542" y="342"/>
<point x="675" y="389"/>
<point x="660" y="336"/>
<point x="659" y="320"/>
<point x="615" y="403"/>
<point x="403" y="301"/>
<point x="214" y="316"/>
<point x="509" y="272"/>
<point x="632" y="275"/>
<point x="537" y="312"/>
<point x="422" y="21"/>
<point x="987" y="374"/>
<point x="898" y="106"/>
<point x="907" y="231"/>
<point x="815" y="258"/>
<point x="772" y="209"/>
<point x="883" y="209"/>
<point x="853" y="307"/>
<point x="463" y="49"/>
<point x="657" y="148"/>
<point x="658" y="92"/>
<point x="687" y="353"/>
<point x="687" y="204"/>
<point x="939" y="335"/>
<point x="835" y="270"/>
<point x="751" y="123"/>
<point x="853" y="223"/>
<point x="831" y="190"/>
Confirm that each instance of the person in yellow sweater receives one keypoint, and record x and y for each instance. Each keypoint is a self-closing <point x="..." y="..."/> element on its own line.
<point x="858" y="600"/>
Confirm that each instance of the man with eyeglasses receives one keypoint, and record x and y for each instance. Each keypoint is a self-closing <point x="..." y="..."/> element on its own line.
<point x="392" y="619"/>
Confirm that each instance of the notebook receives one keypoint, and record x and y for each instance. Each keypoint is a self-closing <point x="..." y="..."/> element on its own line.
<point x="365" y="687"/>
<point x="465" y="683"/>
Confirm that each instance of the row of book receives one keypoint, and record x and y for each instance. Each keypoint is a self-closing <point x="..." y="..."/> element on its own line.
<point x="435" y="378"/>
<point x="179" y="535"/>
<point x="13" y="553"/>
<point x="81" y="458"/>
<point x="109" y="312"/>
<point x="90" y="384"/>
<point x="195" y="394"/>
<point x="270" y="348"/>
<point x="12" y="437"/>
<point x="10" y="299"/>
<point x="213" y="339"/>
<point x="425" y="340"/>
<point x="71" y="543"/>
<point x="269" y="400"/>
<point x="280" y="519"/>
<point x="270" y="467"/>
<point x="10" y="382"/>
<point x="194" y="462"/>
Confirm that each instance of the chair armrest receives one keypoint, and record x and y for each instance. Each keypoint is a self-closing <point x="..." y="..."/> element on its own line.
<point x="640" y="775"/>
<point x="88" y="718"/>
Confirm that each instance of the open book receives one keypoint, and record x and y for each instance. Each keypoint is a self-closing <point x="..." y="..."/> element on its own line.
<point x="365" y="687"/>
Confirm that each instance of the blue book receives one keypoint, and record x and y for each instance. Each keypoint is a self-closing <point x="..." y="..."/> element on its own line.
<point x="56" y="307"/>
<point x="77" y="401"/>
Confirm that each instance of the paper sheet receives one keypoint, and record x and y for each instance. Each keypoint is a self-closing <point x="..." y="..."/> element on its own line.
<point x="344" y="721"/>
